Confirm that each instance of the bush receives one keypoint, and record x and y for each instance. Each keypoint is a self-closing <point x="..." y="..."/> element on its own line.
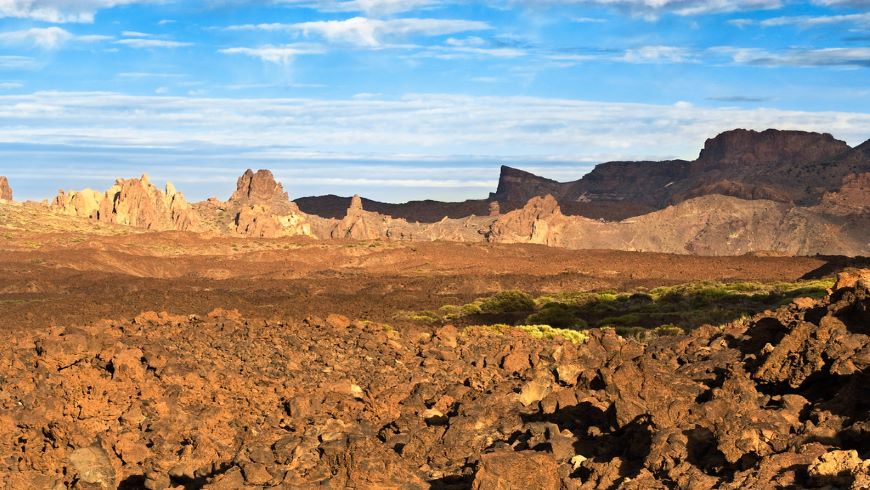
<point x="508" y="302"/>
<point x="669" y="330"/>
<point x="556" y="315"/>
<point x="548" y="332"/>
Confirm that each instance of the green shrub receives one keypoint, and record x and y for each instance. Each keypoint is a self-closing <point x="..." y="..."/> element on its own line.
<point x="508" y="302"/>
<point x="548" y="332"/>
<point x="556" y="315"/>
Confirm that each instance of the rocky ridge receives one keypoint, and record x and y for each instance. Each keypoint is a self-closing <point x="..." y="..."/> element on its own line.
<point x="792" y="167"/>
<point x="160" y="401"/>
<point x="5" y="189"/>
<point x="708" y="225"/>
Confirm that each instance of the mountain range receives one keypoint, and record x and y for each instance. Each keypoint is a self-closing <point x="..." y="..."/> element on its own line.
<point x="783" y="192"/>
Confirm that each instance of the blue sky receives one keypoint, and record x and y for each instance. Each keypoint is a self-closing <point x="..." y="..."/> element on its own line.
<point x="408" y="99"/>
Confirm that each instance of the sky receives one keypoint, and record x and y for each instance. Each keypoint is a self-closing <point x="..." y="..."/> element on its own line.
<point x="408" y="99"/>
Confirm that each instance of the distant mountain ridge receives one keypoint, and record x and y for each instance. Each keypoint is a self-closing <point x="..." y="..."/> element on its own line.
<point x="784" y="192"/>
<point x="794" y="167"/>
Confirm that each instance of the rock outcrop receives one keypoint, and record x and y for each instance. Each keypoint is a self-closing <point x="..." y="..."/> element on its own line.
<point x="540" y="221"/>
<point x="132" y="202"/>
<point x="260" y="188"/>
<point x="359" y="224"/>
<point x="5" y="189"/>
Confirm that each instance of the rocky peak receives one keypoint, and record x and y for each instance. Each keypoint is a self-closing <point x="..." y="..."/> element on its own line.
<point x="539" y="221"/>
<point x="516" y="185"/>
<point x="259" y="188"/>
<point x="747" y="147"/>
<point x="355" y="203"/>
<point x="5" y="190"/>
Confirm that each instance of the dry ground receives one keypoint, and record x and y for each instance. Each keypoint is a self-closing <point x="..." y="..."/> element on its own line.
<point x="75" y="273"/>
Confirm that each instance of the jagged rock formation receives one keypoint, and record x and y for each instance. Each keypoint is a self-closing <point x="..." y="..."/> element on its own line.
<point x="260" y="208"/>
<point x="5" y="189"/>
<point x="775" y="401"/>
<point x="540" y="221"/>
<point x="260" y="188"/>
<point x="132" y="202"/>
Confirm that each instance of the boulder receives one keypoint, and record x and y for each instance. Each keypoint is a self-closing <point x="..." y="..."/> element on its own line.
<point x="513" y="470"/>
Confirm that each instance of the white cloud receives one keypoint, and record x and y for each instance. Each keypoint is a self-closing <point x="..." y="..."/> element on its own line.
<point x="281" y="55"/>
<point x="59" y="11"/>
<point x="45" y="37"/>
<point x="813" y="21"/>
<point x="369" y="7"/>
<point x="652" y="9"/>
<point x="844" y="3"/>
<point x="588" y="20"/>
<point x="13" y="62"/>
<point x="10" y="85"/>
<point x="135" y="34"/>
<point x="658" y="54"/>
<point x="410" y="128"/>
<point x="807" y="57"/>
<point x="368" y="32"/>
<point x="145" y="43"/>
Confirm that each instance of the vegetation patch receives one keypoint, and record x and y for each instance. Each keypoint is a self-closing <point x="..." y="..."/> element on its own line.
<point x="662" y="311"/>
<point x="535" y="331"/>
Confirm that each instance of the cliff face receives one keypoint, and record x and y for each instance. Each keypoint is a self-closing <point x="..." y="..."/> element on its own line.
<point x="783" y="166"/>
<point x="516" y="185"/>
<point x="132" y="202"/>
<point x="742" y="147"/>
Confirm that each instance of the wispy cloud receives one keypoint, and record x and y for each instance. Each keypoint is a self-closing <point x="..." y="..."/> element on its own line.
<point x="146" y="43"/>
<point x="739" y="98"/>
<point x="45" y="37"/>
<point x="806" y="21"/>
<point x="658" y="54"/>
<point x="369" y="32"/>
<point x="652" y="9"/>
<point x="282" y="55"/>
<point x="423" y="126"/>
<point x="60" y="11"/>
<point x="805" y="57"/>
<point x="13" y="62"/>
<point x="369" y="7"/>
